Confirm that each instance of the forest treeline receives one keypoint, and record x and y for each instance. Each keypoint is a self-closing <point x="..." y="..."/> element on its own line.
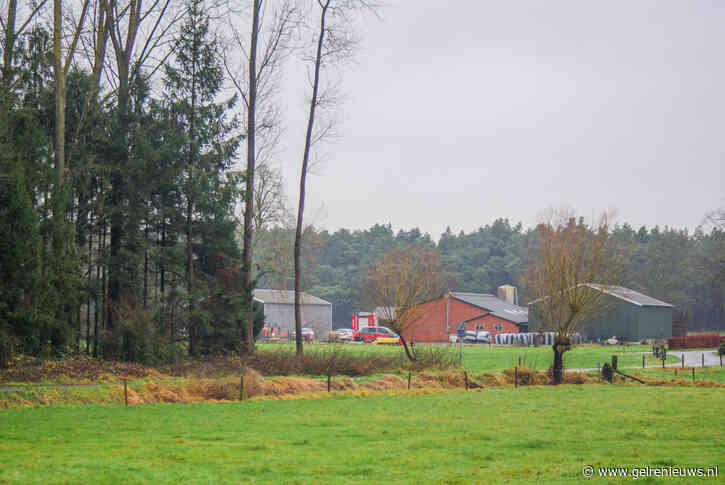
<point x="123" y="186"/>
<point x="124" y="243"/>
<point x="686" y="269"/>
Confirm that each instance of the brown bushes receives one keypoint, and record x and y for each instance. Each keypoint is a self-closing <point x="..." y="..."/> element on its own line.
<point x="321" y="361"/>
<point x="324" y="360"/>
<point x="77" y="370"/>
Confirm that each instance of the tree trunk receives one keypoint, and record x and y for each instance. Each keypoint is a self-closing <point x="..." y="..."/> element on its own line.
<point x="190" y="280"/>
<point x="116" y="199"/>
<point x="303" y="178"/>
<point x="9" y="47"/>
<point x="251" y="162"/>
<point x="59" y="92"/>
<point x="90" y="284"/>
<point x="560" y="346"/>
<point x="146" y="265"/>
<point x="193" y="328"/>
<point x="408" y="353"/>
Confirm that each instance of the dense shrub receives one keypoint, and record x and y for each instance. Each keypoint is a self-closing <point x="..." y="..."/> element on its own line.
<point x="318" y="361"/>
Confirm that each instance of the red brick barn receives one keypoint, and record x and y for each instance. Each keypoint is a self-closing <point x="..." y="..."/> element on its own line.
<point x="478" y="311"/>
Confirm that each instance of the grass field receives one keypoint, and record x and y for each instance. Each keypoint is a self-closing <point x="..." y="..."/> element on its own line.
<point x="482" y="358"/>
<point x="716" y="374"/>
<point x="538" y="435"/>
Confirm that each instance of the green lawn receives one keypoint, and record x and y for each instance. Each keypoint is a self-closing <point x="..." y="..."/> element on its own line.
<point x="713" y="373"/>
<point x="540" y="435"/>
<point x="482" y="358"/>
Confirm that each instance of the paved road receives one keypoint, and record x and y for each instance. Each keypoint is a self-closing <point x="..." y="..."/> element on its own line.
<point x="694" y="357"/>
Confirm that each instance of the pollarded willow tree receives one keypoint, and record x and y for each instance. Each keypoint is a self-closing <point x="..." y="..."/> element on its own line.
<point x="399" y="281"/>
<point x="568" y="277"/>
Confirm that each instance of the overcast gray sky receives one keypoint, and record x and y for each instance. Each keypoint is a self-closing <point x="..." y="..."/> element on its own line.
<point x="458" y="113"/>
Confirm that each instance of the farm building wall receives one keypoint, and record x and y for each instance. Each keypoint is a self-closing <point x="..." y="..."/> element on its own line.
<point x="621" y="320"/>
<point x="431" y="327"/>
<point x="625" y="320"/>
<point x="655" y="322"/>
<point x="489" y="323"/>
<point x="282" y="316"/>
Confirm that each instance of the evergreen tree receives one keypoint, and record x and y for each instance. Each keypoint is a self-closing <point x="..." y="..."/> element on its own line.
<point x="207" y="148"/>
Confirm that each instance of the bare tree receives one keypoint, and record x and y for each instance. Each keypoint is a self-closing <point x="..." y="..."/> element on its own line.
<point x="270" y="203"/>
<point x="399" y="281"/>
<point x="568" y="277"/>
<point x="267" y="47"/>
<point x="136" y="34"/>
<point x="333" y="43"/>
<point x="60" y="70"/>
<point x="14" y="19"/>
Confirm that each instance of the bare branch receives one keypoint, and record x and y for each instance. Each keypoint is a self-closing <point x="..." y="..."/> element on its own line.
<point x="31" y="16"/>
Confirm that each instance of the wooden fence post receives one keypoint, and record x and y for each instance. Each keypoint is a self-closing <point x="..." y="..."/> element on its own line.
<point x="599" y="371"/>
<point x="125" y="391"/>
<point x="693" y="373"/>
<point x="241" y="387"/>
<point x="643" y="361"/>
<point x="516" y="376"/>
<point x="683" y="361"/>
<point x="465" y="379"/>
<point x="329" y="377"/>
<point x="703" y="359"/>
<point x="409" y="380"/>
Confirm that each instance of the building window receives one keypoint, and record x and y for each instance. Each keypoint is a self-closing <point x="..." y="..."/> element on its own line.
<point x="498" y="327"/>
<point x="479" y="327"/>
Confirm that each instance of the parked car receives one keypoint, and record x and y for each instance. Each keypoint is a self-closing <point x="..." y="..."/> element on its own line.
<point x="370" y="334"/>
<point x="307" y="334"/>
<point x="613" y="340"/>
<point x="344" y="334"/>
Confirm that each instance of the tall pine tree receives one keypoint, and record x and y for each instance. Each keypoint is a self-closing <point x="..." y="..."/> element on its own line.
<point x="206" y="150"/>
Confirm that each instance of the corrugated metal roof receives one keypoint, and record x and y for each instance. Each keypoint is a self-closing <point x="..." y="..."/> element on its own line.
<point x="286" y="297"/>
<point x="476" y="317"/>
<point x="631" y="296"/>
<point x="502" y="309"/>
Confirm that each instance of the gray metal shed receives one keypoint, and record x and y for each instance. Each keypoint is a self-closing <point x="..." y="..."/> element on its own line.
<point x="279" y="311"/>
<point x="631" y="316"/>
